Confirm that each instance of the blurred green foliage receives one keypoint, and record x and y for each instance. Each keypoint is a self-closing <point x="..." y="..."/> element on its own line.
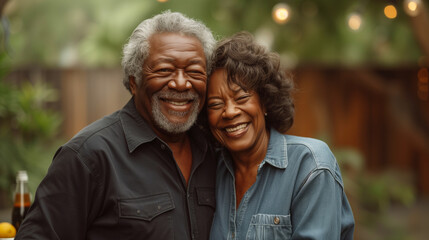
<point x="92" y="32"/>
<point x="374" y="195"/>
<point x="28" y="130"/>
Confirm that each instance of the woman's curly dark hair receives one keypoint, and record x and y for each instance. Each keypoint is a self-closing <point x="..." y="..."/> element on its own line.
<point x="253" y="67"/>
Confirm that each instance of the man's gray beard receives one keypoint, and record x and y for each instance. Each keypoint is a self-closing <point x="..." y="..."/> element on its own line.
<point x="162" y="121"/>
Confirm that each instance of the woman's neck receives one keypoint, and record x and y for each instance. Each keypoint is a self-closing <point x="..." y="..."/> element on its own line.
<point x="246" y="164"/>
<point x="251" y="157"/>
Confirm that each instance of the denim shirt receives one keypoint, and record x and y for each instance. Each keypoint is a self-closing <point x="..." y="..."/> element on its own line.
<point x="298" y="194"/>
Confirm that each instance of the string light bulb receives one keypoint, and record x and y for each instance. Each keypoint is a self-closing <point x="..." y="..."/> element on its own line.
<point x="354" y="21"/>
<point x="281" y="13"/>
<point x="390" y="12"/>
<point x="412" y="7"/>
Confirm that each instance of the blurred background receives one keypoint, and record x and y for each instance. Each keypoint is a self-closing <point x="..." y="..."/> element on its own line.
<point x="360" y="67"/>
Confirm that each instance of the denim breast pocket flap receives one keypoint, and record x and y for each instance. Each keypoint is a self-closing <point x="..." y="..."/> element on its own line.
<point x="270" y="219"/>
<point x="146" y="207"/>
<point x="269" y="226"/>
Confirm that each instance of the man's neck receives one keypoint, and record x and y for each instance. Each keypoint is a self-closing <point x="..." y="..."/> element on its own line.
<point x="180" y="146"/>
<point x="182" y="153"/>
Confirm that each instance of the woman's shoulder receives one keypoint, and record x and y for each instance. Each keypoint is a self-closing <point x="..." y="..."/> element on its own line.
<point x="310" y="149"/>
<point x="311" y="143"/>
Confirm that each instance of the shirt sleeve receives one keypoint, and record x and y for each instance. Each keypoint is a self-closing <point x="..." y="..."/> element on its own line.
<point x="321" y="210"/>
<point x="61" y="207"/>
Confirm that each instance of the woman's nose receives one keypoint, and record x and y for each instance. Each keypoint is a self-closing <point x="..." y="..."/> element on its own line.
<point x="230" y="111"/>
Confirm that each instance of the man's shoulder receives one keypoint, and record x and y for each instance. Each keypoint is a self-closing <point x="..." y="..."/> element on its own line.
<point x="102" y="129"/>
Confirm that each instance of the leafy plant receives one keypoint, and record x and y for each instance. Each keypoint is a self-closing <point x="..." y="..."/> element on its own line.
<point x="28" y="130"/>
<point x="374" y="194"/>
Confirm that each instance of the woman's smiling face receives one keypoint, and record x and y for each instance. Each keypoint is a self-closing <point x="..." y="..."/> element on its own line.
<point x="236" y="116"/>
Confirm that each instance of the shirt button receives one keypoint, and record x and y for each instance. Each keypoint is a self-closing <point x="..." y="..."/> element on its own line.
<point x="162" y="146"/>
<point x="233" y="235"/>
<point x="276" y="220"/>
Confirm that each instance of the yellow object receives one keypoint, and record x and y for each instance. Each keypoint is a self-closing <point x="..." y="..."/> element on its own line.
<point x="7" y="230"/>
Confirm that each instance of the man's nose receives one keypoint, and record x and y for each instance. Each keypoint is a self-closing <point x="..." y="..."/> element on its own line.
<point x="180" y="82"/>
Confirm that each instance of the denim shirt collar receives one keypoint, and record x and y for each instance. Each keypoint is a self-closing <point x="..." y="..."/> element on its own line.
<point x="277" y="151"/>
<point x="276" y="155"/>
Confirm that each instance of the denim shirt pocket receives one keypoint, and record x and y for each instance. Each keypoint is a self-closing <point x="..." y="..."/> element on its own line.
<point x="146" y="207"/>
<point x="269" y="226"/>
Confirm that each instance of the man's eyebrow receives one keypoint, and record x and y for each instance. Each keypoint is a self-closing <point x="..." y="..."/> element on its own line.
<point x="163" y="60"/>
<point x="171" y="60"/>
<point x="197" y="61"/>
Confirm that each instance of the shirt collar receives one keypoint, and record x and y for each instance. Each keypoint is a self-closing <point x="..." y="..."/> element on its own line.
<point x="276" y="154"/>
<point x="277" y="150"/>
<point x="137" y="131"/>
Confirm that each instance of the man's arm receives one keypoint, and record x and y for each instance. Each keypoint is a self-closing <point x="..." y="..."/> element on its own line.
<point x="62" y="202"/>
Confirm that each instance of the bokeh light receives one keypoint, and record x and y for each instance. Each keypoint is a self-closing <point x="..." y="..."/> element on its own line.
<point x="281" y="13"/>
<point x="423" y="84"/>
<point x="355" y="21"/>
<point x="412" y="7"/>
<point x="390" y="12"/>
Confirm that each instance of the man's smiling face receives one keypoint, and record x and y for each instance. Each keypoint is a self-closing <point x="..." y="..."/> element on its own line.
<point x="173" y="85"/>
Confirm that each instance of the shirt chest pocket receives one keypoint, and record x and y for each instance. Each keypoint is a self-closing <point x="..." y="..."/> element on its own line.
<point x="268" y="226"/>
<point x="145" y="208"/>
<point x="147" y="216"/>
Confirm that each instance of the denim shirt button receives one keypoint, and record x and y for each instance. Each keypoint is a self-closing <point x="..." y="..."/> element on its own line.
<point x="233" y="235"/>
<point x="276" y="220"/>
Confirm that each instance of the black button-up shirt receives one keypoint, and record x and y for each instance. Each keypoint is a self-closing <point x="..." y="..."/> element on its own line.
<point x="117" y="180"/>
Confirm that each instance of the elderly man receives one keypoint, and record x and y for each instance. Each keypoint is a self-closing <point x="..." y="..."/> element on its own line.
<point x="144" y="172"/>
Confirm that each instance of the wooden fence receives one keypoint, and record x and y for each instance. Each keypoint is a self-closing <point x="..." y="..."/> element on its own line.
<point x="375" y="111"/>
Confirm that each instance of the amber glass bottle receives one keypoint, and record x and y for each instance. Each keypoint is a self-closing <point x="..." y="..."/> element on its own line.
<point x="22" y="199"/>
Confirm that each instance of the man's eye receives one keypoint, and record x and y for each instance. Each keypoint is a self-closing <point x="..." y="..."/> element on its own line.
<point x="163" y="70"/>
<point x="195" y="72"/>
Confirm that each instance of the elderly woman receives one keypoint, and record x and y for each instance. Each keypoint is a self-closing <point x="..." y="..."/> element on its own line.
<point x="269" y="185"/>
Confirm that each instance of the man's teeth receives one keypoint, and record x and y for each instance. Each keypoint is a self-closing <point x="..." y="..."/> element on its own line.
<point x="239" y="127"/>
<point x="178" y="103"/>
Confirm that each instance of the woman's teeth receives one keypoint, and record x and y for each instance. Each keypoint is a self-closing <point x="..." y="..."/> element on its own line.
<point x="236" y="128"/>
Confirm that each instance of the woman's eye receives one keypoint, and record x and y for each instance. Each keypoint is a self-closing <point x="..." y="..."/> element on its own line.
<point x="214" y="105"/>
<point x="243" y="98"/>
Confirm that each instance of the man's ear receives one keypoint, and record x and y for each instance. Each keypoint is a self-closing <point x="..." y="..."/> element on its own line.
<point x="133" y="85"/>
